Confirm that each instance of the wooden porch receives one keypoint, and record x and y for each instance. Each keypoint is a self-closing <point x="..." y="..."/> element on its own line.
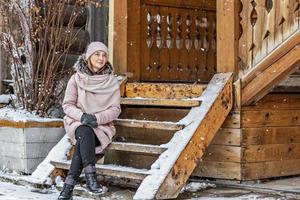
<point x="170" y="49"/>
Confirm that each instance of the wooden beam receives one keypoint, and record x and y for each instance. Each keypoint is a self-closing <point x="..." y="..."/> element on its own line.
<point x="273" y="57"/>
<point x="123" y="86"/>
<point x="270" y="169"/>
<point x="266" y="80"/>
<point x="272" y="117"/>
<point x="133" y="39"/>
<point x="277" y="101"/>
<point x="164" y="90"/>
<point x="179" y="160"/>
<point x="31" y="124"/>
<point x="136" y="147"/>
<point x="160" y="102"/>
<point x="148" y="124"/>
<point x="150" y="113"/>
<point x="120" y="36"/>
<point x="109" y="170"/>
<point x="227" y="35"/>
<point x="221" y="170"/>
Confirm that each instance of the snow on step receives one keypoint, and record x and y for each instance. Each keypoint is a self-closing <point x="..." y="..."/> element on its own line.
<point x="110" y="170"/>
<point x="160" y="102"/>
<point x="135" y="147"/>
<point x="162" y="125"/>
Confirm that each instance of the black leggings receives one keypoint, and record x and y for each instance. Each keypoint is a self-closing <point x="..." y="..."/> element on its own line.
<point x="84" y="151"/>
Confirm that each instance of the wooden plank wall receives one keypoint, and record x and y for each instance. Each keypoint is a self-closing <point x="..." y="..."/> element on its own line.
<point x="261" y="141"/>
<point x="271" y="137"/>
<point x="223" y="156"/>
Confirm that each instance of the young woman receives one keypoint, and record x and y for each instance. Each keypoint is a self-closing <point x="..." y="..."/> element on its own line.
<point x="91" y="103"/>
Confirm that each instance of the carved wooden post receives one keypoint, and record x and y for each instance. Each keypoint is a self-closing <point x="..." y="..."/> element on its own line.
<point x="227" y="35"/>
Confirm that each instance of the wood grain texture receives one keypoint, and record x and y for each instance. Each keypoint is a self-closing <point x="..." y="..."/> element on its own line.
<point x="164" y="90"/>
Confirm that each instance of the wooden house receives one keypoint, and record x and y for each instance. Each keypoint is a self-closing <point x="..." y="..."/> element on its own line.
<point x="212" y="90"/>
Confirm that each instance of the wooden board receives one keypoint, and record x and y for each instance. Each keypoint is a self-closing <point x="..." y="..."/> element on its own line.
<point x="148" y="124"/>
<point x="133" y="43"/>
<point x="227" y="35"/>
<point x="150" y="113"/>
<point x="277" y="101"/>
<point x="221" y="170"/>
<point x="222" y="153"/>
<point x="123" y="86"/>
<point x="160" y="102"/>
<point x="109" y="170"/>
<point x="205" y="4"/>
<point x="271" y="152"/>
<point x="120" y="40"/>
<point x="233" y="120"/>
<point x="163" y="90"/>
<point x="276" y="118"/>
<point x="136" y="148"/>
<point x="228" y="136"/>
<point x="143" y="135"/>
<point x="262" y="170"/>
<point x="31" y="124"/>
<point x="129" y="159"/>
<point x="270" y="135"/>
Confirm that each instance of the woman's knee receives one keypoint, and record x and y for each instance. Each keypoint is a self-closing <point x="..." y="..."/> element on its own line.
<point x="84" y="131"/>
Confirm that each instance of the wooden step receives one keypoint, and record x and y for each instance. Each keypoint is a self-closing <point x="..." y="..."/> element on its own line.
<point x="185" y="103"/>
<point x="137" y="148"/>
<point x="109" y="170"/>
<point x="148" y="124"/>
<point x="164" y="90"/>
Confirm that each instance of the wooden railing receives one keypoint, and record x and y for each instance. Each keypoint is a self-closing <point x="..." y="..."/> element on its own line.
<point x="178" y="40"/>
<point x="265" y="24"/>
<point x="166" y="41"/>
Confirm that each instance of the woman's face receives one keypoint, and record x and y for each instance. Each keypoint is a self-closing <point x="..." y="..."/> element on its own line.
<point x="98" y="60"/>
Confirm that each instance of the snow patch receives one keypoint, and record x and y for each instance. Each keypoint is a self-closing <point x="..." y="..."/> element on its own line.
<point x="195" y="186"/>
<point x="6" y="98"/>
<point x="58" y="153"/>
<point x="21" y="115"/>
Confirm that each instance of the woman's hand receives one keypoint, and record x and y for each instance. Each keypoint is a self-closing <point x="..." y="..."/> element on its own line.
<point x="89" y="119"/>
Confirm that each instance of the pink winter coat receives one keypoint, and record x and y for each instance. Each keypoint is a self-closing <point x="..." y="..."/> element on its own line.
<point x="98" y="95"/>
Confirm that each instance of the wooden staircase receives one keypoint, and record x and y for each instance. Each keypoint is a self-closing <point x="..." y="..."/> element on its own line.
<point x="160" y="140"/>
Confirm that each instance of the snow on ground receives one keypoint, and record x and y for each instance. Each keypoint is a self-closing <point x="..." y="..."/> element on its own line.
<point x="22" y="115"/>
<point x="9" y="191"/>
<point x="195" y="186"/>
<point x="58" y="153"/>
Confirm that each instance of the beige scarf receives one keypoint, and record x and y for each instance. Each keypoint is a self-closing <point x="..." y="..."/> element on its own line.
<point x="97" y="93"/>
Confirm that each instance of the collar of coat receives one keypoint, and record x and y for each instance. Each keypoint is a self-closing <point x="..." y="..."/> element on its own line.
<point x="82" y="66"/>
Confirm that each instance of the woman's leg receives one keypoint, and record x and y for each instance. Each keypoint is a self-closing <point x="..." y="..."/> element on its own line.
<point x="88" y="141"/>
<point x="84" y="156"/>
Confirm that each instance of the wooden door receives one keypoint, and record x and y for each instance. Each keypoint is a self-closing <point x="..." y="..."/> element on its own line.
<point x="177" y="40"/>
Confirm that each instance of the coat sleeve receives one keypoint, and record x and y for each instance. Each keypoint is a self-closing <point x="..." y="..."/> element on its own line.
<point x="70" y="100"/>
<point x="108" y="115"/>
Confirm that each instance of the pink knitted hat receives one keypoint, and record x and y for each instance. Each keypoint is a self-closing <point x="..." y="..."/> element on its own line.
<point x="93" y="47"/>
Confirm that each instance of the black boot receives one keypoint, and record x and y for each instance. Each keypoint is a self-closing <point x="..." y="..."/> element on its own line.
<point x="66" y="193"/>
<point x="91" y="179"/>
